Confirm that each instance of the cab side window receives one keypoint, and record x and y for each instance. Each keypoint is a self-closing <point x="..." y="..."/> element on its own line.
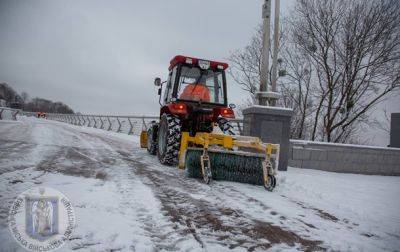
<point x="170" y="85"/>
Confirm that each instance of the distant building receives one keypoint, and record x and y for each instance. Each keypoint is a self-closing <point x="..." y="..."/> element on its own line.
<point x="395" y="130"/>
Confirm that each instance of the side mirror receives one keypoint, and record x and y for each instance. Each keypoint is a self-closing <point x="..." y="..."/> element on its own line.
<point x="157" y="82"/>
<point x="232" y="106"/>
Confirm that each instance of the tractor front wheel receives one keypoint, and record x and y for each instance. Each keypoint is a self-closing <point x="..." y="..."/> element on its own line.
<point x="169" y="137"/>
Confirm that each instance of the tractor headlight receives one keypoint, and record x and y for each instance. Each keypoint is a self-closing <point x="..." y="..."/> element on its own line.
<point x="189" y="61"/>
<point x="204" y="64"/>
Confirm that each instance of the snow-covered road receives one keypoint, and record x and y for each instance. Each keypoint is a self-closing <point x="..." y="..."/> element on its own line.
<point x="125" y="200"/>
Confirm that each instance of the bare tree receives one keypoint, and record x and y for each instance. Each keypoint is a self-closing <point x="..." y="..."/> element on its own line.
<point x="25" y="97"/>
<point x="342" y="59"/>
<point x="39" y="104"/>
<point x="295" y="89"/>
<point x="355" y="50"/>
<point x="383" y="124"/>
<point x="246" y="64"/>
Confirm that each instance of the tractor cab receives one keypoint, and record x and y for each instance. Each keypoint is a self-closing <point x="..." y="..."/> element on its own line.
<point x="196" y="81"/>
<point x="196" y="92"/>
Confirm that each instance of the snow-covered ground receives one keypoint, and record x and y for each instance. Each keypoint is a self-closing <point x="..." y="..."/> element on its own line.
<point x="125" y="200"/>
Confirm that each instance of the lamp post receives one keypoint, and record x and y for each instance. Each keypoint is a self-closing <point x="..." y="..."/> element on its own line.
<point x="266" y="97"/>
<point x="275" y="53"/>
<point x="266" y="13"/>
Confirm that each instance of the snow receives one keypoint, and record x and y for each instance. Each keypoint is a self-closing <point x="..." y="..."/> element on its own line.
<point x="138" y="204"/>
<point x="270" y="107"/>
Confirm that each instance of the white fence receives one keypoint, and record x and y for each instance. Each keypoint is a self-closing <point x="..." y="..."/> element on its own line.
<point x="131" y="125"/>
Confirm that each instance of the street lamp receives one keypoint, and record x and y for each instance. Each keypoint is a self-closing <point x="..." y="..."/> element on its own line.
<point x="266" y="97"/>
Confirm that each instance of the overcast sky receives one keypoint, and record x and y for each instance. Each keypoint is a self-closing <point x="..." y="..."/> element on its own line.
<point x="102" y="56"/>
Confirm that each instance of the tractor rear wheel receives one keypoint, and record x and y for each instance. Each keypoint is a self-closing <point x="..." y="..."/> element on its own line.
<point x="225" y="125"/>
<point x="152" y="140"/>
<point x="169" y="137"/>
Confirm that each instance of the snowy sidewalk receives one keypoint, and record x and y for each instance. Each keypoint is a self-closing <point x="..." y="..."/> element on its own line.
<point x="125" y="200"/>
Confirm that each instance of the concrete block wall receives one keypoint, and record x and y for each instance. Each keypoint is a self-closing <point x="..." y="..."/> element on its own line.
<point x="345" y="158"/>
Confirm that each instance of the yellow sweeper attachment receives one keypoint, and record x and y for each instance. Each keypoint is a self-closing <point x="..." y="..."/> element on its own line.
<point x="222" y="157"/>
<point x="232" y="158"/>
<point x="143" y="139"/>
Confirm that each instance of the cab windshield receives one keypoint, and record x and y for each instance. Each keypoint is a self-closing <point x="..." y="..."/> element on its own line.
<point x="200" y="85"/>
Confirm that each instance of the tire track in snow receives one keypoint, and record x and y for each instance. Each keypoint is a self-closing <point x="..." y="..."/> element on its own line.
<point x="206" y="222"/>
<point x="163" y="235"/>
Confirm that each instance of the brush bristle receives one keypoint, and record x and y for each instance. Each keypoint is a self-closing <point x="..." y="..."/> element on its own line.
<point x="227" y="165"/>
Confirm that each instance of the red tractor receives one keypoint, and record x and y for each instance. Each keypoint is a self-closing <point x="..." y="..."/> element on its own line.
<point x="41" y="115"/>
<point x="194" y="128"/>
<point x="195" y="98"/>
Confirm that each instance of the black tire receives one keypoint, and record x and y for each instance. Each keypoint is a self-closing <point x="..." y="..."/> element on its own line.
<point x="271" y="183"/>
<point x="225" y="126"/>
<point x="169" y="139"/>
<point x="152" y="140"/>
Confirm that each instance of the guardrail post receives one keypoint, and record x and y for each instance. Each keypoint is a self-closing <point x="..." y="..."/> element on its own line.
<point x="144" y="124"/>
<point x="109" y="123"/>
<point x="89" y="123"/>
<point x="130" y="132"/>
<point x="14" y="115"/>
<point x="95" y="122"/>
<point x="119" y="125"/>
<point x="79" y="120"/>
<point x="102" y="123"/>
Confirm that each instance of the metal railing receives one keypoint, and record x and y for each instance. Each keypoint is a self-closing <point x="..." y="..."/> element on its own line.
<point x="131" y="125"/>
<point x="9" y="112"/>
